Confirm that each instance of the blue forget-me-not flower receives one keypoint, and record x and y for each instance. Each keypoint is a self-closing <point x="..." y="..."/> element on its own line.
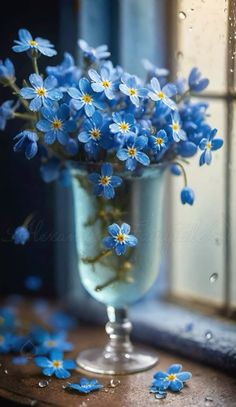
<point x="120" y="238"/>
<point x="105" y="182"/>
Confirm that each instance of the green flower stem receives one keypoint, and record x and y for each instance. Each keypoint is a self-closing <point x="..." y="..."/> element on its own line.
<point x="24" y="116"/>
<point x="182" y="97"/>
<point x="91" y="260"/>
<point x="35" y="65"/>
<point x="15" y="88"/>
<point x="183" y="171"/>
<point x="107" y="283"/>
<point x="28" y="219"/>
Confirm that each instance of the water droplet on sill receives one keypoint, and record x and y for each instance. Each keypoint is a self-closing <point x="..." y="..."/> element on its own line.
<point x="114" y="383"/>
<point x="213" y="278"/>
<point x="208" y="335"/>
<point x="33" y="402"/>
<point x="182" y="15"/>
<point x="231" y="70"/>
<point x="161" y="395"/>
<point x="6" y="371"/>
<point x="43" y="383"/>
<point x="83" y="404"/>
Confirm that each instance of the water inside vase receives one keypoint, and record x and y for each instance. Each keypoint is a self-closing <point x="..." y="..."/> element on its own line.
<point x="111" y="279"/>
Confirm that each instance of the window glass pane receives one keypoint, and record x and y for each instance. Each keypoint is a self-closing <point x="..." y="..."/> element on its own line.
<point x="232" y="220"/>
<point x="202" y="39"/>
<point x="198" y="232"/>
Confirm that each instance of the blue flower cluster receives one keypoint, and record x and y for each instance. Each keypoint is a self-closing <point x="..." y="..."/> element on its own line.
<point x="173" y="379"/>
<point x="101" y="113"/>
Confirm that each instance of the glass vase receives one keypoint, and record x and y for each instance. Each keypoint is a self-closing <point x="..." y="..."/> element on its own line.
<point x="118" y="281"/>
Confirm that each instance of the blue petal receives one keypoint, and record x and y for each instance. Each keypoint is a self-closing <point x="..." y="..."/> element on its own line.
<point x="175" y="368"/>
<point x="125" y="228"/>
<point x="62" y="137"/>
<point x="106" y="169"/>
<point x="24" y="35"/>
<point x="131" y="240"/>
<point x="56" y="354"/>
<point x="183" y="376"/>
<point x="216" y="144"/>
<point x="31" y="150"/>
<point x="35" y="104"/>
<point x="115" y="181"/>
<point x="140" y="142"/>
<point x="43" y="125"/>
<point x="27" y="93"/>
<point x="84" y="137"/>
<point x="142" y="158"/>
<point x="109" y="242"/>
<point x="55" y="94"/>
<point x="36" y="80"/>
<point x="120" y="249"/>
<point x="89" y="109"/>
<point x="74" y="93"/>
<point x="62" y="373"/>
<point x="94" y="177"/>
<point x="50" y="137"/>
<point x="69" y="364"/>
<point x="108" y="191"/>
<point x="160" y="375"/>
<point x="84" y="85"/>
<point x="49" y="371"/>
<point x="21" y="48"/>
<point x="122" y="154"/>
<point x="114" y="229"/>
<point x="63" y="112"/>
<point x="42" y="361"/>
<point x="50" y="82"/>
<point x="176" y="385"/>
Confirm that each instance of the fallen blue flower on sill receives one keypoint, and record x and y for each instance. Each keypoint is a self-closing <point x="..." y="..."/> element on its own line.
<point x="47" y="342"/>
<point x="173" y="379"/>
<point x="85" y="386"/>
<point x="20" y="360"/>
<point x="55" y="365"/>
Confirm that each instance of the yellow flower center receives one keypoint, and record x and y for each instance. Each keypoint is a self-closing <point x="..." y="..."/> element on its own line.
<point x="161" y="95"/>
<point x="132" y="151"/>
<point x="87" y="98"/>
<point x="41" y="91"/>
<point x="120" y="237"/>
<point x="56" y="124"/>
<point x="2" y="320"/>
<point x="159" y="140"/>
<point x="124" y="127"/>
<point x="132" y="92"/>
<point x="1" y="339"/>
<point x="51" y="344"/>
<point x="171" y="377"/>
<point x="33" y="43"/>
<point x="175" y="126"/>
<point x="95" y="133"/>
<point x="106" y="84"/>
<point x="105" y="180"/>
<point x="57" y="363"/>
<point x="208" y="145"/>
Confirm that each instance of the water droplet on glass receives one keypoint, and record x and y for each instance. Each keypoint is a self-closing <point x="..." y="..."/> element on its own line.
<point x="97" y="289"/>
<point x="213" y="278"/>
<point x="43" y="383"/>
<point x="161" y="395"/>
<point x="231" y="70"/>
<point x="208" y="335"/>
<point x="182" y="15"/>
<point x="6" y="371"/>
<point x="114" y="383"/>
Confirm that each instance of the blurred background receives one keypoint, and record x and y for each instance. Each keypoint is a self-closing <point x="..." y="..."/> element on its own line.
<point x="199" y="260"/>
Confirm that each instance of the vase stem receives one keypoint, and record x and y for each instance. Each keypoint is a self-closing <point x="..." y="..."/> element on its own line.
<point x="118" y="329"/>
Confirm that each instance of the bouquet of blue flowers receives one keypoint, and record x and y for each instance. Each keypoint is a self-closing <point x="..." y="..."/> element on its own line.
<point x="100" y="113"/>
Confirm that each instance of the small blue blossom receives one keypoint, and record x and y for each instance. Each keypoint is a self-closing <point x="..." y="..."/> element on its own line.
<point x="50" y="170"/>
<point x="27" y="43"/>
<point x="6" y="319"/>
<point x="5" y="342"/>
<point x="123" y="123"/>
<point x="105" y="182"/>
<point x="177" y="132"/>
<point x="6" y="112"/>
<point x="85" y="385"/>
<point x="132" y="153"/>
<point x="7" y="71"/>
<point x="66" y="73"/>
<point x="42" y="93"/>
<point x="21" y="235"/>
<point x="153" y="70"/>
<point x="159" y="142"/>
<point x="93" y="54"/>
<point x="47" y="342"/>
<point x="103" y="83"/>
<point x="175" y="170"/>
<point x="196" y="82"/>
<point x="55" y="365"/>
<point x="26" y="141"/>
<point x="20" y="360"/>
<point x="33" y="283"/>
<point x="162" y="95"/>
<point x="72" y="147"/>
<point x="133" y="89"/>
<point x="85" y="98"/>
<point x="208" y="145"/>
<point x="120" y="238"/>
<point x="172" y="379"/>
<point x="56" y="124"/>
<point x="187" y="196"/>
<point x="94" y="134"/>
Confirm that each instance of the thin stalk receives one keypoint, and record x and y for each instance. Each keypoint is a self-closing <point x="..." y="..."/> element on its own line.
<point x="107" y="283"/>
<point x="23" y="116"/>
<point x="100" y="256"/>
<point x="28" y="219"/>
<point x="14" y="87"/>
<point x="183" y="172"/>
<point x="35" y="65"/>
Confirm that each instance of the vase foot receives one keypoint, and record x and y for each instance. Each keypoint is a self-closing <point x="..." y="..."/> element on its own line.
<point x="97" y="360"/>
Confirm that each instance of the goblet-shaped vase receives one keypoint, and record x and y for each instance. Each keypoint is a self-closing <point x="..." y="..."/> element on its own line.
<point x="118" y="280"/>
